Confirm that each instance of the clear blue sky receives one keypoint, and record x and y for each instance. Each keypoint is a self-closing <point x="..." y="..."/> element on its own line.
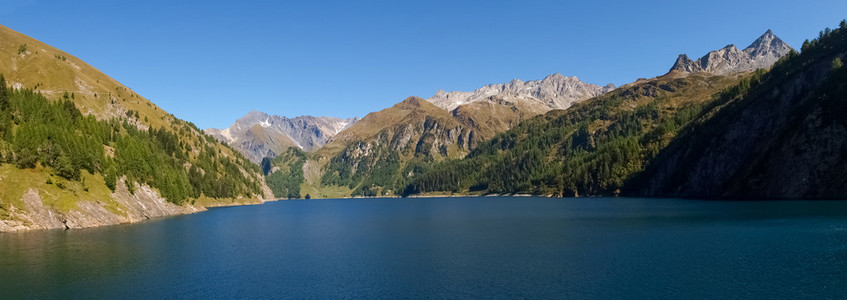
<point x="211" y="62"/>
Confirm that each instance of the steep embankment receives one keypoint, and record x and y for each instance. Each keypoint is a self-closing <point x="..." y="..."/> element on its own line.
<point x="780" y="135"/>
<point x="73" y="139"/>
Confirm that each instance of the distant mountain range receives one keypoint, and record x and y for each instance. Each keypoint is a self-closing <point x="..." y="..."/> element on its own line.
<point x="386" y="151"/>
<point x="553" y="92"/>
<point x="258" y="135"/>
<point x="491" y="109"/>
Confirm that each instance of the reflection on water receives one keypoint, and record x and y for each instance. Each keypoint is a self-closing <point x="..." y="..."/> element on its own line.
<point x="447" y="247"/>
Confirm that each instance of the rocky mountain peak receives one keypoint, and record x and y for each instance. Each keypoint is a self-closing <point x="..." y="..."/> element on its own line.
<point x="555" y="91"/>
<point x="761" y="54"/>
<point x="684" y="64"/>
<point x="258" y="134"/>
<point x="765" y="39"/>
<point x="768" y="44"/>
<point x="555" y="75"/>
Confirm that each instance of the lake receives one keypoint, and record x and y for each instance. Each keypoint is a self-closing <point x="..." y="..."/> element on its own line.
<point x="481" y="247"/>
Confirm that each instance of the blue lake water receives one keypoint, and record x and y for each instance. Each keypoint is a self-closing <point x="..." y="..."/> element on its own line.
<point x="447" y="248"/>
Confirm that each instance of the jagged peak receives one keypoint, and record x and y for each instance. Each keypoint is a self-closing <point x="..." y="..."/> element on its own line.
<point x="683" y="59"/>
<point x="766" y="40"/>
<point x="684" y="64"/>
<point x="554" y="75"/>
<point x="762" y="53"/>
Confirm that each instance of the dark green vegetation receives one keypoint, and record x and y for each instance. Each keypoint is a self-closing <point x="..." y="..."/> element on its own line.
<point x="776" y="134"/>
<point x="181" y="164"/>
<point x="285" y="181"/>
<point x="367" y="175"/>
<point x="782" y="135"/>
<point x="386" y="148"/>
<point x="590" y="148"/>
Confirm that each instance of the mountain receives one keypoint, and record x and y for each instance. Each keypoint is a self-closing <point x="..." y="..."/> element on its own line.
<point x="79" y="149"/>
<point x="597" y="145"/>
<point x="779" y="135"/>
<point x="589" y="148"/>
<point x="377" y="154"/>
<point x="761" y="54"/>
<point x="553" y="92"/>
<point x="258" y="135"/>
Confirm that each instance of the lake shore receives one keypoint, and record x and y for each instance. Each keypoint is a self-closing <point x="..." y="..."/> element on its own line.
<point x="123" y="208"/>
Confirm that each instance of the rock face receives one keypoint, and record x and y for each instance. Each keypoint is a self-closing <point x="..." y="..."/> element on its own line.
<point x="258" y="135"/>
<point x="761" y="54"/>
<point x="784" y="138"/>
<point x="553" y="92"/>
<point x="144" y="204"/>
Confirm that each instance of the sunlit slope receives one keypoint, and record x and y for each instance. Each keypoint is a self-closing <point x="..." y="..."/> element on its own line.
<point x="590" y="148"/>
<point x="65" y="121"/>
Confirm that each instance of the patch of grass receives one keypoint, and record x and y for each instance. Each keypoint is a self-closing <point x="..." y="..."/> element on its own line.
<point x="61" y="194"/>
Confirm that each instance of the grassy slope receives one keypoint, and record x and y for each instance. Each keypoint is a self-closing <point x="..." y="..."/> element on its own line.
<point x="28" y="63"/>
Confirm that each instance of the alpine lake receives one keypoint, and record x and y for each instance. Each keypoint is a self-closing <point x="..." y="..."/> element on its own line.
<point x="475" y="247"/>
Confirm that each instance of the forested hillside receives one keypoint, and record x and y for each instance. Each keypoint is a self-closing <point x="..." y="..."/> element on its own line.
<point x="591" y="148"/>
<point x="76" y="147"/>
<point x="284" y="173"/>
<point x="781" y="135"/>
<point x="55" y="134"/>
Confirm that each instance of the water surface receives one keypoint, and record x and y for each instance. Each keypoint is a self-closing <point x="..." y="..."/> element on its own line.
<point x="447" y="248"/>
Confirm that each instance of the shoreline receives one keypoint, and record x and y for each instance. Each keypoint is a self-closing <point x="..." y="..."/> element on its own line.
<point x="122" y="208"/>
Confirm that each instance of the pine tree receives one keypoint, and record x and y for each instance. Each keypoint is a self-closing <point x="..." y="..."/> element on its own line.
<point x="4" y="93"/>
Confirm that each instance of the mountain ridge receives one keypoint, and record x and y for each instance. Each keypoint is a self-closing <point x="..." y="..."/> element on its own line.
<point x="760" y="54"/>
<point x="780" y="135"/>
<point x="554" y="91"/>
<point x="276" y="133"/>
